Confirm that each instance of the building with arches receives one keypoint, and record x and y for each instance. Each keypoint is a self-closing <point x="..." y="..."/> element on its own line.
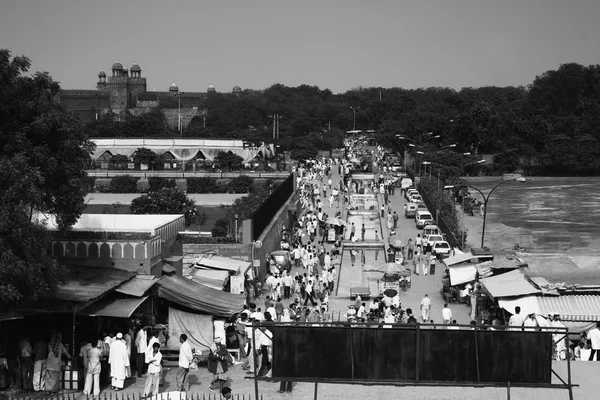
<point x="143" y="244"/>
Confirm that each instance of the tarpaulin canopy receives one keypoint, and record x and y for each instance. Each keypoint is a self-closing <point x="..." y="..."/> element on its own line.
<point x="198" y="297"/>
<point x="138" y="286"/>
<point x="88" y="283"/>
<point x="118" y="308"/>
<point x="8" y="316"/>
<point x="197" y="327"/>
<point x="509" y="284"/>
<point x="462" y="274"/>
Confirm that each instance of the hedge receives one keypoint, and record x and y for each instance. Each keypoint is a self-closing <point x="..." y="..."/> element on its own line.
<point x="195" y="239"/>
<point x="123" y="184"/>
<point x="130" y="184"/>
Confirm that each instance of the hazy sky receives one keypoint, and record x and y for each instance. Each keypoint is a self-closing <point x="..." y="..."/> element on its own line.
<point x="333" y="44"/>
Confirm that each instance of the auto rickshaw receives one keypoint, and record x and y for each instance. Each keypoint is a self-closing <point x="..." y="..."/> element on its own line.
<point x="410" y="210"/>
<point x="282" y="260"/>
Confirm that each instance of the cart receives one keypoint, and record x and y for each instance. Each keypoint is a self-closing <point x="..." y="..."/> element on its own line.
<point x="282" y="260"/>
<point x="397" y="281"/>
<point x="331" y="235"/>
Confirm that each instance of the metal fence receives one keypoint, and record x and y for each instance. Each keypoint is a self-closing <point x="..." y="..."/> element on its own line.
<point x="264" y="214"/>
<point x="186" y="174"/>
<point x="125" y="396"/>
<point x="441" y="222"/>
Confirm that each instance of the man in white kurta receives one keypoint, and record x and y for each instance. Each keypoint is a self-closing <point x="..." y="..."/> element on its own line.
<point x="425" y="308"/>
<point x="119" y="362"/>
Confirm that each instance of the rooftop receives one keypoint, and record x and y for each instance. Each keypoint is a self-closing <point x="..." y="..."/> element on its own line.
<point x="114" y="222"/>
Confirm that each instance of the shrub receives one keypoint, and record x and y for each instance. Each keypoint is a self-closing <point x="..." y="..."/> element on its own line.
<point x="222" y="185"/>
<point x="218" y="231"/>
<point x="142" y="186"/>
<point x="157" y="183"/>
<point x="241" y="184"/>
<point x="201" y="185"/>
<point x="195" y="239"/>
<point x="102" y="185"/>
<point x="259" y="185"/>
<point x="123" y="184"/>
<point x="88" y="182"/>
<point x="181" y="184"/>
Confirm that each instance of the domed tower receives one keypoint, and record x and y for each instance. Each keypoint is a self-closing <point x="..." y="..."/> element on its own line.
<point x="117" y="69"/>
<point x="236" y="90"/>
<point x="174" y="89"/>
<point x="101" y="80"/>
<point x="211" y="89"/>
<point x="136" y="71"/>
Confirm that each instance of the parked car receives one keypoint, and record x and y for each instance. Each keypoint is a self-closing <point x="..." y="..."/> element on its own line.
<point x="410" y="192"/>
<point x="423" y="218"/>
<point x="406" y="183"/>
<point x="431" y="239"/>
<point x="410" y="209"/>
<point x="415" y="198"/>
<point x="441" y="247"/>
<point x="396" y="167"/>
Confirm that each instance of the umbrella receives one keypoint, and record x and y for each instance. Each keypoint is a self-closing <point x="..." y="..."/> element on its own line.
<point x="335" y="221"/>
<point x="390" y="292"/>
<point x="391" y="268"/>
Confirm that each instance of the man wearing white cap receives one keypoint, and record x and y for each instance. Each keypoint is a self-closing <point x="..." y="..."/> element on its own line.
<point x="119" y="362"/>
<point x="558" y="337"/>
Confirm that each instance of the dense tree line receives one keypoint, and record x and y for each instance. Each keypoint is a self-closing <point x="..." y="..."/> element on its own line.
<point x="43" y="154"/>
<point x="547" y="127"/>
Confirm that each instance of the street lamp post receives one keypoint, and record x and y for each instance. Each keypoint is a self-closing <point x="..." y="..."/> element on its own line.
<point x="354" y="118"/>
<point x="178" y="94"/>
<point x="486" y="200"/>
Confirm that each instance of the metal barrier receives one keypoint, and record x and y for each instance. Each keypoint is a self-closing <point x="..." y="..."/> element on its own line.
<point x="110" y="395"/>
<point x="264" y="214"/>
<point x="186" y="174"/>
<point x="451" y="238"/>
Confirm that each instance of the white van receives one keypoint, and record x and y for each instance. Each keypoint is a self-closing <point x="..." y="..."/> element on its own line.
<point x="423" y="218"/>
<point x="405" y="183"/>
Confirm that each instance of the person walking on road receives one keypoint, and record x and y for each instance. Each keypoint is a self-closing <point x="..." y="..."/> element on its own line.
<point x="432" y="262"/>
<point x="446" y="314"/>
<point x="352" y="230"/>
<point x="363" y="230"/>
<point x="410" y="250"/>
<point x="185" y="359"/>
<point x="594" y="337"/>
<point x="425" y="308"/>
<point x="395" y="220"/>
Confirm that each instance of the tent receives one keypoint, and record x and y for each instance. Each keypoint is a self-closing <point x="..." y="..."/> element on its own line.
<point x="198" y="297"/>
<point x="199" y="303"/>
<point x="462" y="274"/>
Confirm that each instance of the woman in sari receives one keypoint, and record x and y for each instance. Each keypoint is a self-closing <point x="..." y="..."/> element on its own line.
<point x="55" y="352"/>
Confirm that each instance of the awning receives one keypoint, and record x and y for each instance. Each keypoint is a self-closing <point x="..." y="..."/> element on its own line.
<point x="458" y="259"/>
<point x="198" y="297"/>
<point x="8" y="316"/>
<point x="209" y="277"/>
<point x="117" y="308"/>
<point x="222" y="263"/>
<point x="528" y="304"/>
<point x="138" y="286"/>
<point x="509" y="284"/>
<point x="575" y="308"/>
<point x="462" y="274"/>
<point x="572" y="307"/>
<point x="88" y="283"/>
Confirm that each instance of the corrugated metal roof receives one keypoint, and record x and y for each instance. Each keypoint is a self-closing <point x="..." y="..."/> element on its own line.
<point x="458" y="259"/>
<point x="572" y="307"/>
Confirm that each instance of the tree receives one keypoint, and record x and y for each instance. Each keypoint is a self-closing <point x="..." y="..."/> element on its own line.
<point x="43" y="155"/>
<point x="166" y="201"/>
<point x="144" y="156"/>
<point x="228" y="160"/>
<point x="119" y="161"/>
